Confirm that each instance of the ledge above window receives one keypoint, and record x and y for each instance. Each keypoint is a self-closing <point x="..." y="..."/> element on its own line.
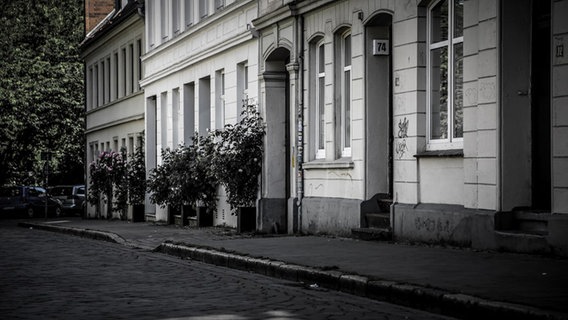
<point x="343" y="163"/>
<point x="450" y="153"/>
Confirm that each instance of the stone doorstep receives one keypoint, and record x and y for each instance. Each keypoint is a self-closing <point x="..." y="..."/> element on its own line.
<point x="372" y="234"/>
<point x="429" y="299"/>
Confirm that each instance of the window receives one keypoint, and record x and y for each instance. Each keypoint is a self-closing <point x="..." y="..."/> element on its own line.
<point x="319" y="115"/>
<point x="175" y="117"/>
<point x="123" y="77"/>
<point x="164" y="16"/>
<point x="203" y="8"/>
<point x="219" y="4"/>
<point x="115" y="76"/>
<point x="130" y="69"/>
<point x="96" y="86"/>
<point x="445" y="74"/>
<point x="150" y="22"/>
<point x="175" y="17"/>
<point x="188" y="12"/>
<point x="242" y="87"/>
<point x="90" y="89"/>
<point x="345" y="104"/>
<point x="220" y="103"/>
<point x="103" y="80"/>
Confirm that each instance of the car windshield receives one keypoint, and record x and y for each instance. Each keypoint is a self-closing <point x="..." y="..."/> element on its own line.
<point x="61" y="191"/>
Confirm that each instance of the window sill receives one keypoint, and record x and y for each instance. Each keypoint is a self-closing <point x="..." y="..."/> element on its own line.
<point x="451" y="153"/>
<point x="343" y="163"/>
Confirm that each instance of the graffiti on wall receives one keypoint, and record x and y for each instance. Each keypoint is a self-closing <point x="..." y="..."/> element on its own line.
<point x="432" y="225"/>
<point x="400" y="147"/>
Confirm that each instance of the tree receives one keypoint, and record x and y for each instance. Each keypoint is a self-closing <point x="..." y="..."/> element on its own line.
<point x="41" y="90"/>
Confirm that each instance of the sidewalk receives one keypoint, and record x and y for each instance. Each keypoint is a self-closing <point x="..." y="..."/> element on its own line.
<point x="459" y="282"/>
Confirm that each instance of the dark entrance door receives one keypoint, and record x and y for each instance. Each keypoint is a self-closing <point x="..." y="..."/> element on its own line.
<point x="540" y="102"/>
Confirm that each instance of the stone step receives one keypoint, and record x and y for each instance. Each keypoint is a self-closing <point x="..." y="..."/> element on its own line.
<point x="532" y="222"/>
<point x="520" y="241"/>
<point x="372" y="234"/>
<point x="524" y="222"/>
<point x="378" y="220"/>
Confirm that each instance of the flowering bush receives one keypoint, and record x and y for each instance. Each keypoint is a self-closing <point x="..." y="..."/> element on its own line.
<point x="185" y="176"/>
<point x="160" y="185"/>
<point x="237" y="160"/>
<point x="136" y="177"/>
<point x="105" y="172"/>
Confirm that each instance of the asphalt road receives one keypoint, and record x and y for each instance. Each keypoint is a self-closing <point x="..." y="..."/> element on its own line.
<point x="46" y="275"/>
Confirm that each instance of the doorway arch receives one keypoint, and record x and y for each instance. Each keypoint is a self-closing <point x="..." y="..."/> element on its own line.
<point x="378" y="109"/>
<point x="276" y="184"/>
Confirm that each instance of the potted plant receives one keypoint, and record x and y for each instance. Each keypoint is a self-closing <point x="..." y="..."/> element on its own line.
<point x="238" y="162"/>
<point x="136" y="181"/>
<point x="185" y="180"/>
<point x="161" y="185"/>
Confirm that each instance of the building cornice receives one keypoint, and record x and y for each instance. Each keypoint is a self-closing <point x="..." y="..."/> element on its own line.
<point x="116" y="122"/>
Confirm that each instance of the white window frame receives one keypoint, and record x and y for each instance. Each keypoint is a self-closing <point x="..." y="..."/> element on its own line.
<point x="450" y="142"/>
<point x="319" y="101"/>
<point x="346" y="84"/>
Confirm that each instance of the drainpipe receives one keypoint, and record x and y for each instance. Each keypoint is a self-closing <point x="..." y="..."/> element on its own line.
<point x="300" y="120"/>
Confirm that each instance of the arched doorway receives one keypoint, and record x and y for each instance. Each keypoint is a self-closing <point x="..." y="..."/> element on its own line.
<point x="276" y="185"/>
<point x="378" y="107"/>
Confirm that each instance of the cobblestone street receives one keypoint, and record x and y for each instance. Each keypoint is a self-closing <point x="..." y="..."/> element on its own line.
<point x="45" y="275"/>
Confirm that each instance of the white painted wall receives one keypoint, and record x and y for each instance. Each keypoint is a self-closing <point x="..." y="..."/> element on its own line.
<point x="121" y="117"/>
<point x="220" y="42"/>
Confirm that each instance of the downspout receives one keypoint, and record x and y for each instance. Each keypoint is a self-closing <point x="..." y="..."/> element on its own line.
<point x="300" y="120"/>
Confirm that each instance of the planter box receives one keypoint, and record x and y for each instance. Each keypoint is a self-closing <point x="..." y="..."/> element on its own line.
<point x="138" y="213"/>
<point x="246" y="219"/>
<point x="204" y="218"/>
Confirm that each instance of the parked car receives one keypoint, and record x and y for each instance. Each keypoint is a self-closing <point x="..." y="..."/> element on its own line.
<point x="72" y="198"/>
<point x="27" y="201"/>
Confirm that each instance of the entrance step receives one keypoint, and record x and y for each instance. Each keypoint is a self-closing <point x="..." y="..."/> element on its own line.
<point x="380" y="202"/>
<point x="372" y="234"/>
<point x="524" y="222"/>
<point x="378" y="220"/>
<point x="522" y="242"/>
<point x="532" y="222"/>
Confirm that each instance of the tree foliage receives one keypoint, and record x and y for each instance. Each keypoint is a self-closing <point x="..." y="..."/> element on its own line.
<point x="41" y="90"/>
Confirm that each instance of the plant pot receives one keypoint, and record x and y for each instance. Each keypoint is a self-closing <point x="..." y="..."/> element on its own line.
<point x="246" y="219"/>
<point x="188" y="216"/>
<point x="204" y="217"/>
<point x="138" y="213"/>
<point x="173" y="211"/>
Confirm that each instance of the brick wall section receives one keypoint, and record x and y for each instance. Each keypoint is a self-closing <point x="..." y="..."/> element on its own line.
<point x="96" y="11"/>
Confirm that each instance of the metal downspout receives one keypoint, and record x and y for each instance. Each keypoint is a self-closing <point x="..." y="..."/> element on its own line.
<point x="300" y="121"/>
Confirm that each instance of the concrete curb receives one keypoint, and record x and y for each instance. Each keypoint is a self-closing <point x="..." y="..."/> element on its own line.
<point x="84" y="233"/>
<point x="434" y="300"/>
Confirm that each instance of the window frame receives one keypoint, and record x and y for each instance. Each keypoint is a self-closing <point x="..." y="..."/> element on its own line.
<point x="450" y="142"/>
<point x="346" y="84"/>
<point x="319" y="146"/>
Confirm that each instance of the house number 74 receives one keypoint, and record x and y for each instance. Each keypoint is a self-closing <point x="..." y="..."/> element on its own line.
<point x="380" y="47"/>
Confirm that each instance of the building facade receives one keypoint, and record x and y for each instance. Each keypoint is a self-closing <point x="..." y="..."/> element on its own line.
<point x="114" y="100"/>
<point x="200" y="64"/>
<point x="433" y="121"/>
<point x="450" y="114"/>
